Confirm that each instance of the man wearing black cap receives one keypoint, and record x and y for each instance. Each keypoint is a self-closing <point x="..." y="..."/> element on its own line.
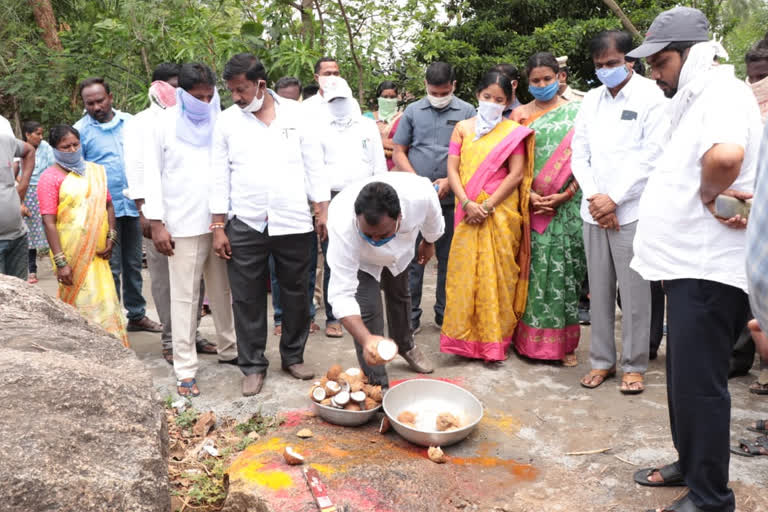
<point x="712" y="150"/>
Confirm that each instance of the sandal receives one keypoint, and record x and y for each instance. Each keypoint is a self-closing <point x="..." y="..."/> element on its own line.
<point x="630" y="378"/>
<point x="570" y="360"/>
<point x="278" y="330"/>
<point x="168" y="355"/>
<point x="752" y="449"/>
<point x="189" y="386"/>
<point x="334" y="331"/>
<point x="761" y="427"/>
<point x="670" y="474"/>
<point x="204" y="346"/>
<point x="682" y="505"/>
<point x="313" y="328"/>
<point x="760" y="386"/>
<point x="588" y="381"/>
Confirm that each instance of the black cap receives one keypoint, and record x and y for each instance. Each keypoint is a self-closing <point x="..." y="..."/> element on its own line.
<point x="673" y="26"/>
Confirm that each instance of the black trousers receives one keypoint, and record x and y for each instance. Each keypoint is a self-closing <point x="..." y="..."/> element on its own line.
<point x="248" y="276"/>
<point x="704" y="319"/>
<point x="398" y="300"/>
<point x="657" y="315"/>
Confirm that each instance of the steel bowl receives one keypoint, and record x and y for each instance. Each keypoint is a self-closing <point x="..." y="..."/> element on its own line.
<point x="427" y="398"/>
<point x="343" y="417"/>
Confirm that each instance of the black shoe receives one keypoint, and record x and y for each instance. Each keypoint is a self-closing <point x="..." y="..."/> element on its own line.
<point x="584" y="317"/>
<point x="228" y="361"/>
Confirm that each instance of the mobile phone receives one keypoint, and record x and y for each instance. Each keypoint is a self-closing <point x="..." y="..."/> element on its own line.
<point x="727" y="207"/>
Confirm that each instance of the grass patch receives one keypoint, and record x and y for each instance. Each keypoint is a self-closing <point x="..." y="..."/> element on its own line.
<point x="260" y="424"/>
<point x="187" y="418"/>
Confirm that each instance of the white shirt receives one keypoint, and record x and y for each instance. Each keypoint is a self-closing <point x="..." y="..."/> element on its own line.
<point x="5" y="127"/>
<point x="260" y="171"/>
<point x="352" y="152"/>
<point x="137" y="139"/>
<point x="616" y="143"/>
<point x="348" y="252"/>
<point x="677" y="237"/>
<point x="177" y="179"/>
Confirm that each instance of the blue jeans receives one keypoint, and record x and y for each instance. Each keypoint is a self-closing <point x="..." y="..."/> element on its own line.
<point x="126" y="261"/>
<point x="416" y="277"/>
<point x="14" y="256"/>
<point x="276" y="287"/>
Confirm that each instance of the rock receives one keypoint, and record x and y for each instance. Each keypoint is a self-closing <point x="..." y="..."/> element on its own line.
<point x="82" y="428"/>
<point x="204" y="424"/>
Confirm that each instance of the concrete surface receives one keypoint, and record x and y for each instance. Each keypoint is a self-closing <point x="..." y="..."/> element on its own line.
<point x="535" y="414"/>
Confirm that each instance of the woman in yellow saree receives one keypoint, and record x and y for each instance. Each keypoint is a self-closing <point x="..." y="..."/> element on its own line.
<point x="79" y="221"/>
<point x="490" y="173"/>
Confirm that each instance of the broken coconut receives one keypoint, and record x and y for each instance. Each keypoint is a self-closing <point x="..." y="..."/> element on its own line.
<point x="292" y="457"/>
<point x="341" y="399"/>
<point x="332" y="388"/>
<point x="386" y="350"/>
<point x="358" y="396"/>
<point x="304" y="433"/>
<point x="407" y="418"/>
<point x="318" y="394"/>
<point x="446" y="421"/>
<point x="352" y="406"/>
<point x="327" y="402"/>
<point x="435" y="454"/>
<point x="385" y="425"/>
<point x="370" y="404"/>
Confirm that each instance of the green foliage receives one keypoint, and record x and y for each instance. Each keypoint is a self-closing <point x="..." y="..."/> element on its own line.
<point x="208" y="488"/>
<point x="259" y="423"/>
<point x="187" y="418"/>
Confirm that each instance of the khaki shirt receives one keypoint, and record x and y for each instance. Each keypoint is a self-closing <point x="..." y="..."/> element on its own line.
<point x="572" y="94"/>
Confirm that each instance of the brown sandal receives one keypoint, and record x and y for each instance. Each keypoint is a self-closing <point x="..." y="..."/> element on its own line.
<point x="334" y="331"/>
<point x="630" y="378"/>
<point x="588" y="381"/>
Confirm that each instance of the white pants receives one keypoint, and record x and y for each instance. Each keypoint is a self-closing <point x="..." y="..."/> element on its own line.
<point x="192" y="258"/>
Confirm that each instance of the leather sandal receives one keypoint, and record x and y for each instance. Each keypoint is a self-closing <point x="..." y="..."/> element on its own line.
<point x="168" y="355"/>
<point x="588" y="380"/>
<point x="189" y="386"/>
<point x="684" y="504"/>
<point x="670" y="474"/>
<point x="334" y="331"/>
<point x="761" y="427"/>
<point x="756" y="448"/>
<point x="630" y="378"/>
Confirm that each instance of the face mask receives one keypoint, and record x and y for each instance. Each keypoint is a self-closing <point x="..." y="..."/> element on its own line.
<point x="387" y="108"/>
<point x="488" y="116"/>
<point x="383" y="241"/>
<point x="544" y="93"/>
<point x="256" y="102"/>
<point x="72" y="161"/>
<point x="612" y="77"/>
<point x="760" y="90"/>
<point x="441" y="102"/>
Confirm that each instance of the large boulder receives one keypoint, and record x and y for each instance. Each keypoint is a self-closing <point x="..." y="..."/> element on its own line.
<point x="81" y="428"/>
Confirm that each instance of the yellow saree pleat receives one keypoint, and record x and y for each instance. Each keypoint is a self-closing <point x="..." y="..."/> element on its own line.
<point x="487" y="279"/>
<point x="82" y="224"/>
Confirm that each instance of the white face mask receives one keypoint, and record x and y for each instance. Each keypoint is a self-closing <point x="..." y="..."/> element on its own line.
<point x="440" y="102"/>
<point x="256" y="102"/>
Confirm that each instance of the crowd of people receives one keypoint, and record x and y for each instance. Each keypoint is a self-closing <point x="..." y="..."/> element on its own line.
<point x="637" y="187"/>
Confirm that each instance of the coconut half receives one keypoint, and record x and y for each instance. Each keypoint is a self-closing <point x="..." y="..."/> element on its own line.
<point x="358" y="396"/>
<point x="318" y="394"/>
<point x="387" y="350"/>
<point x="292" y="457"/>
<point x="332" y="388"/>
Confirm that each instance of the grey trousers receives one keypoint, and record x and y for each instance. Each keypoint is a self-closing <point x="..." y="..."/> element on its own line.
<point x="157" y="264"/>
<point x="609" y="253"/>
<point x="398" y="300"/>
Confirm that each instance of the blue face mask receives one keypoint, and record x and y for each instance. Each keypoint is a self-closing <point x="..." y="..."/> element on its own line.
<point x="381" y="241"/>
<point x="544" y="93"/>
<point x="72" y="161"/>
<point x="612" y="77"/>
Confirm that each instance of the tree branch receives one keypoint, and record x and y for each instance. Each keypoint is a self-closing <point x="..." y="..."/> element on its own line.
<point x="612" y="5"/>
<point x="353" y="51"/>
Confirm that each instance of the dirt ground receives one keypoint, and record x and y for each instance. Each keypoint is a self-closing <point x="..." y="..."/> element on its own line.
<point x="516" y="460"/>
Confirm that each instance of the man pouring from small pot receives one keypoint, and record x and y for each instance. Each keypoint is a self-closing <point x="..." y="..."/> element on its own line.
<point x="372" y="229"/>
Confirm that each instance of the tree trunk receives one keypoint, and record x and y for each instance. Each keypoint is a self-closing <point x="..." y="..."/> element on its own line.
<point x="322" y="25"/>
<point x="612" y="5"/>
<point x="353" y="52"/>
<point x="47" y="22"/>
